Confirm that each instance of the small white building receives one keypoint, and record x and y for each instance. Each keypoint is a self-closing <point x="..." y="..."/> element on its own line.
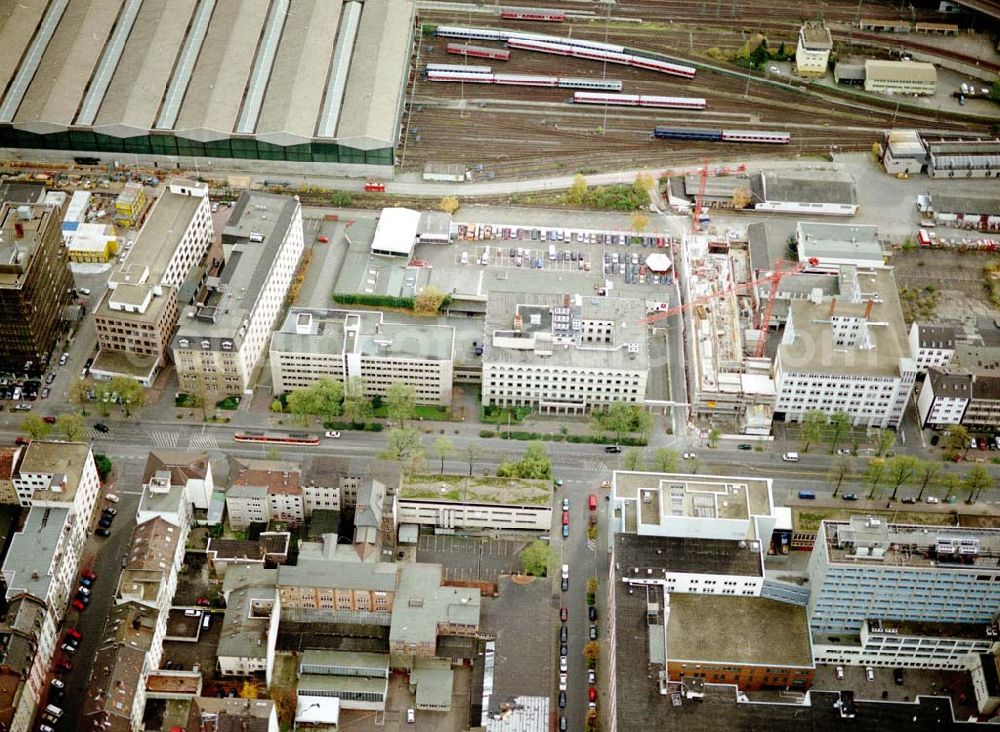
<point x="249" y="632"/>
<point x="396" y="232"/>
<point x="834" y="245"/>
<point x="812" y="52"/>
<point x="900" y="77"/>
<point x="903" y="152"/>
<point x="944" y="397"/>
<point x="932" y="345"/>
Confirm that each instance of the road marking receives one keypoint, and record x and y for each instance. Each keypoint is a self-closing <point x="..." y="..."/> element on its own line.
<point x="165" y="439"/>
<point x="203" y="442"/>
<point x="95" y="434"/>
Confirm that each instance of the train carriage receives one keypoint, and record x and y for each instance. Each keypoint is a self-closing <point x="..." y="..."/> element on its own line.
<point x="535" y="14"/>
<point x="567" y="82"/>
<point x="755" y="136"/>
<point x="462" y="49"/>
<point x="460" y="76"/>
<point x="687" y="133"/>
<point x="525" y="80"/>
<point x="636" y="100"/>
<point x="460" y="67"/>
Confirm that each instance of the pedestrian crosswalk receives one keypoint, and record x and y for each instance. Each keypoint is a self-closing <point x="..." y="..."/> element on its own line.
<point x="591" y="544"/>
<point x="595" y="466"/>
<point x="203" y="442"/>
<point x="164" y="439"/>
<point x="93" y="435"/>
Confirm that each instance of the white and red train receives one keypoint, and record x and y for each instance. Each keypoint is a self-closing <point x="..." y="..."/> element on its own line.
<point x="462" y="49"/>
<point x="537" y="14"/>
<point x="575" y="47"/>
<point x="435" y="72"/>
<point x="637" y="100"/>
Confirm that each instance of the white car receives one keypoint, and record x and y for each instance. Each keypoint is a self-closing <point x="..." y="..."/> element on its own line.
<point x="591" y="676"/>
<point x="562" y="682"/>
<point x="689" y="456"/>
<point x="85" y="291"/>
<point x="411" y="716"/>
<point x="933" y="499"/>
<point x="844" y="451"/>
<point x="112" y="497"/>
<point x="332" y="434"/>
<point x="870" y="673"/>
<point x="563" y="664"/>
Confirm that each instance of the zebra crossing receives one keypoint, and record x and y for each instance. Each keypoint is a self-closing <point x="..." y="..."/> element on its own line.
<point x="592" y="544"/>
<point x="94" y="435"/>
<point x="203" y="442"/>
<point x="595" y="466"/>
<point x="165" y="439"/>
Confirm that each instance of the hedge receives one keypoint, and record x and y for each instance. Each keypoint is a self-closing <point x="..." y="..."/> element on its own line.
<point x="384" y="301"/>
<point x="367" y="426"/>
<point x="582" y="439"/>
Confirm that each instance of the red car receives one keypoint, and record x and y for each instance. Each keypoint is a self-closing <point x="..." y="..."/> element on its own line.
<point x="203" y="601"/>
<point x="63" y="666"/>
<point x="73" y="633"/>
<point x="591" y="694"/>
<point x="21" y="441"/>
<point x="324" y="240"/>
<point x="563" y="614"/>
<point x="89" y="574"/>
<point x="79" y="606"/>
<point x="565" y="518"/>
<point x="49" y="419"/>
<point x="592" y="502"/>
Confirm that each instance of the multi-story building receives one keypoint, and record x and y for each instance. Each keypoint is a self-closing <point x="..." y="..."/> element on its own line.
<point x="522" y="505"/>
<point x="846" y="355"/>
<point x="902" y="151"/>
<point x="116" y="692"/>
<point x="190" y="470"/>
<point x="130" y="204"/>
<point x="8" y="459"/>
<point x="812" y="52"/>
<point x="35" y="284"/>
<point x="333" y="482"/>
<point x="344" y="344"/>
<point x="944" y="397"/>
<point x="983" y="410"/>
<point x="867" y="569"/>
<point x="263" y="491"/>
<point x="270" y="548"/>
<point x="932" y="345"/>
<point x="832" y="246"/>
<point x="358" y="680"/>
<point x="900" y="77"/>
<point x="564" y="354"/>
<point x="986" y="682"/>
<point x="59" y="481"/>
<point x="222" y="338"/>
<point x="137" y="317"/>
<point x="250" y="632"/>
<point x="209" y="714"/>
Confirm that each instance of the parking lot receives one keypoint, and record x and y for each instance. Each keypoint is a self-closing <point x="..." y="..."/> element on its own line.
<point x="186" y="654"/>
<point x="471" y="559"/>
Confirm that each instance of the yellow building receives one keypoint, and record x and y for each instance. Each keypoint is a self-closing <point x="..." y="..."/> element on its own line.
<point x="93" y="243"/>
<point x="130" y="204"/>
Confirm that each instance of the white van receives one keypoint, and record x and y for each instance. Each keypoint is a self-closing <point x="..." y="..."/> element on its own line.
<point x="565" y="571"/>
<point x="790" y="457"/>
<point x="465" y="257"/>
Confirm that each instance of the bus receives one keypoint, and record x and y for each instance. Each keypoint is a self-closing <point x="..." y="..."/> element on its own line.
<point x="277" y="438"/>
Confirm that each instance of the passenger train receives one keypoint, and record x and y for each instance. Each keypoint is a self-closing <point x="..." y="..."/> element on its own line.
<point x="709" y="135"/>
<point x="458" y="74"/>
<point x="636" y="100"/>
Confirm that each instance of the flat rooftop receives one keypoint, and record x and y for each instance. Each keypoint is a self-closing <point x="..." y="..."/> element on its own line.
<point x="32" y="552"/>
<point x="856" y="242"/>
<point x="62" y="462"/>
<point x="874" y="542"/>
<point x="820" y="186"/>
<point x="738" y="630"/>
<point x="534" y="328"/>
<point x="654" y="555"/>
<point x="17" y="254"/>
<point x="693" y="495"/>
<point x="929" y="629"/>
<point x="476" y="489"/>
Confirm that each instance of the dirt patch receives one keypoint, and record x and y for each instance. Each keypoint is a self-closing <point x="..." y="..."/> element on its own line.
<point x="943" y="284"/>
<point x="522" y="579"/>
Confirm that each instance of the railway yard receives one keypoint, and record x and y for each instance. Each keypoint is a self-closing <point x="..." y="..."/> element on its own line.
<point x="537" y="131"/>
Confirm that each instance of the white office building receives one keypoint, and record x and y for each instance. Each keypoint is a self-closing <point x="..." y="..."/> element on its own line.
<point x="343" y="344"/>
<point x="835" y="245"/>
<point x="944" y="397"/>
<point x="564" y="353"/>
<point x="932" y="345"/>
<point x="222" y="339"/>
<point x="846" y="355"/>
<point x="812" y="52"/>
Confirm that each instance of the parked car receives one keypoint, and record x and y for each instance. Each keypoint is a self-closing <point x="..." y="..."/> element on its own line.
<point x="332" y="434"/>
<point x="203" y="602"/>
<point x="744" y="446"/>
<point x="839" y="672"/>
<point x="85" y="599"/>
<point x="105" y="522"/>
<point x="101" y="531"/>
<point x="562" y="699"/>
<point x="49" y="419"/>
<point x="565" y="504"/>
<point x="689" y="456"/>
<point x="909" y="499"/>
<point x="844" y="451"/>
<point x="323" y="240"/>
<point x="565" y="584"/>
<point x="933" y="499"/>
<point x="897" y="676"/>
<point x="85" y="291"/>
<point x="592" y="613"/>
<point x="74" y="634"/>
<point x="84" y="582"/>
<point x="592" y="694"/>
<point x="591" y="676"/>
<point x="614" y="449"/>
<point x="593" y="632"/>
<point x="850" y="496"/>
<point x="565" y="518"/>
<point x="79" y="606"/>
<point x="563" y="613"/>
<point x="935" y="439"/>
<point x="109" y="511"/>
<point x="563" y="633"/>
<point x="21" y="440"/>
<point x="83" y="591"/>
<point x="58" y="683"/>
<point x="101" y="427"/>
<point x="870" y="673"/>
<point x="68" y="648"/>
<point x="563" y="664"/>
<point x="22" y="407"/>
<point x="63" y="666"/>
<point x="112" y="497"/>
<point x="565" y="531"/>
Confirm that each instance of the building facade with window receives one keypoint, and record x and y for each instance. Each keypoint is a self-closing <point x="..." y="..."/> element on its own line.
<point x="564" y="354"/>
<point x="932" y="345"/>
<point x="812" y="52"/>
<point x="222" y="338"/>
<point x="944" y="397"/>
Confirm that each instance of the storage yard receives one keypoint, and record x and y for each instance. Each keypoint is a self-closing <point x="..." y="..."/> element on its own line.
<point x="538" y="130"/>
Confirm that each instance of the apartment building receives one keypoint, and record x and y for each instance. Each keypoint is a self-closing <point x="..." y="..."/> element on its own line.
<point x="344" y="344"/>
<point x="867" y="569"/>
<point x="115" y="697"/>
<point x="846" y="355"/>
<point x="35" y="284"/>
<point x="8" y="459"/>
<point x="190" y="470"/>
<point x="983" y="411"/>
<point x="932" y="344"/>
<point x="249" y="632"/>
<point x="209" y="714"/>
<point x="334" y="482"/>
<point x="521" y="505"/>
<point x="263" y="491"/>
<point x="270" y="548"/>
<point x="222" y="338"/>
<point x="944" y="397"/>
<point x="986" y="683"/>
<point x="812" y="52"/>
<point x="564" y="354"/>
<point x="900" y="77"/>
<point x="137" y="316"/>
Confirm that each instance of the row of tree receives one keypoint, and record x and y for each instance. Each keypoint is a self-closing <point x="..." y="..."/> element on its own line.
<point x="121" y="392"/>
<point x="622" y="419"/>
<point x="817" y="427"/>
<point x="907" y="470"/>
<point x="329" y="398"/>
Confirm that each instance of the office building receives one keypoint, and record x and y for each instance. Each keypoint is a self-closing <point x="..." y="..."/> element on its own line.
<point x="932" y="345"/>
<point x="945" y="397"/>
<point x="35" y="285"/>
<point x="521" y="505"/>
<point x="262" y="491"/>
<point x="832" y="246"/>
<point x="137" y="317"/>
<point x="986" y="682"/>
<point x="848" y="354"/>
<point x="812" y="52"/>
<point x="900" y="77"/>
<point x="222" y="338"/>
<point x="564" y="354"/>
<point x="344" y="344"/>
<point x="867" y="569"/>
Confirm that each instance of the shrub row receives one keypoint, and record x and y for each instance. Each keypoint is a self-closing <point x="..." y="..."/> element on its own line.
<point x="384" y="301"/>
<point x="366" y="426"/>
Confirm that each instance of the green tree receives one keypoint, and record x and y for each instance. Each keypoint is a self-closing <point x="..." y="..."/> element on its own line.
<point x="617" y="418"/>
<point x="714" y="435"/>
<point x="840" y="424"/>
<point x="131" y="393"/>
<point x="927" y="472"/>
<point x="400" y="402"/>
<point x="644" y="182"/>
<point x="443" y="447"/>
<point x="977" y="480"/>
<point x="301" y="404"/>
<point x="276" y="406"/>
<point x="536" y="558"/>
<point x="666" y="460"/>
<point x="813" y="425"/>
<point x="901" y="469"/>
<point x="471" y="453"/>
<point x="35" y="426"/>
<point x="534" y="463"/>
<point x="592" y="653"/>
<point x="884" y="441"/>
<point x="956" y="439"/>
<point x="357" y="407"/>
<point x="403" y="445"/>
<point x="951" y="483"/>
<point x="632" y="459"/>
<point x="840" y="470"/>
<point x="72" y="426"/>
<point x="78" y="393"/>
<point x="327" y="397"/>
<point x="873" y="474"/>
<point x="592" y="586"/>
<point x="428" y="301"/>
<point x="578" y="191"/>
<point x="103" y="465"/>
<point x="102" y="397"/>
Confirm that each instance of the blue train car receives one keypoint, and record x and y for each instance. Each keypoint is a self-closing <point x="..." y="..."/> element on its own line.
<point x="687" y="133"/>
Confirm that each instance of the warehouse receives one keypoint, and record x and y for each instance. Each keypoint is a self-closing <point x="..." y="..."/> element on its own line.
<point x="903" y="152"/>
<point x="900" y="77"/>
<point x="820" y="193"/>
<point x="296" y="81"/>
<point x="967" y="212"/>
<point x="963" y="158"/>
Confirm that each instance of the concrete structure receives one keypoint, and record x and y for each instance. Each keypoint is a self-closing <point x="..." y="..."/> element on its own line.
<point x="849" y="73"/>
<point x="903" y="151"/>
<point x="130" y="204"/>
<point x="849" y="355"/>
<point x="867" y="569"/>
<point x="222" y="338"/>
<point x="249" y="632"/>
<point x="94" y="243"/>
<point x="35" y="284"/>
<point x="951" y="158"/>
<point x="564" y="353"/>
<point x="457" y="502"/>
<point x="346" y="344"/>
<point x="357" y="680"/>
<point x="219" y="80"/>
<point x="981" y="213"/>
<point x="137" y="317"/>
<point x="986" y="683"/>
<point x="396" y="233"/>
<point x="190" y="470"/>
<point x="734" y="640"/>
<point x="900" y="77"/>
<point x="9" y="457"/>
<point x="812" y="52"/>
<point x="944" y="397"/>
<point x="333" y="483"/>
<point x="59" y="481"/>
<point x="835" y="245"/>
<point x="912" y="644"/>
<point x="209" y="714"/>
<point x="271" y="548"/>
<point x="821" y="193"/>
<point x="932" y="345"/>
<point x="261" y="491"/>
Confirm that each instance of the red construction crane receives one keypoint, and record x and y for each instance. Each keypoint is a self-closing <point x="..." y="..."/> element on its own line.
<point x="699" y="200"/>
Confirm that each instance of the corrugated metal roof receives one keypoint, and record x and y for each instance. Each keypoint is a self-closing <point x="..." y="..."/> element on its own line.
<point x="17" y="27"/>
<point x="900" y="70"/>
<point x="295" y="91"/>
<point x="140" y="80"/>
<point x="330" y="116"/>
<point x="185" y="65"/>
<point x="261" y="74"/>
<point x="26" y="71"/>
<point x="112" y="55"/>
